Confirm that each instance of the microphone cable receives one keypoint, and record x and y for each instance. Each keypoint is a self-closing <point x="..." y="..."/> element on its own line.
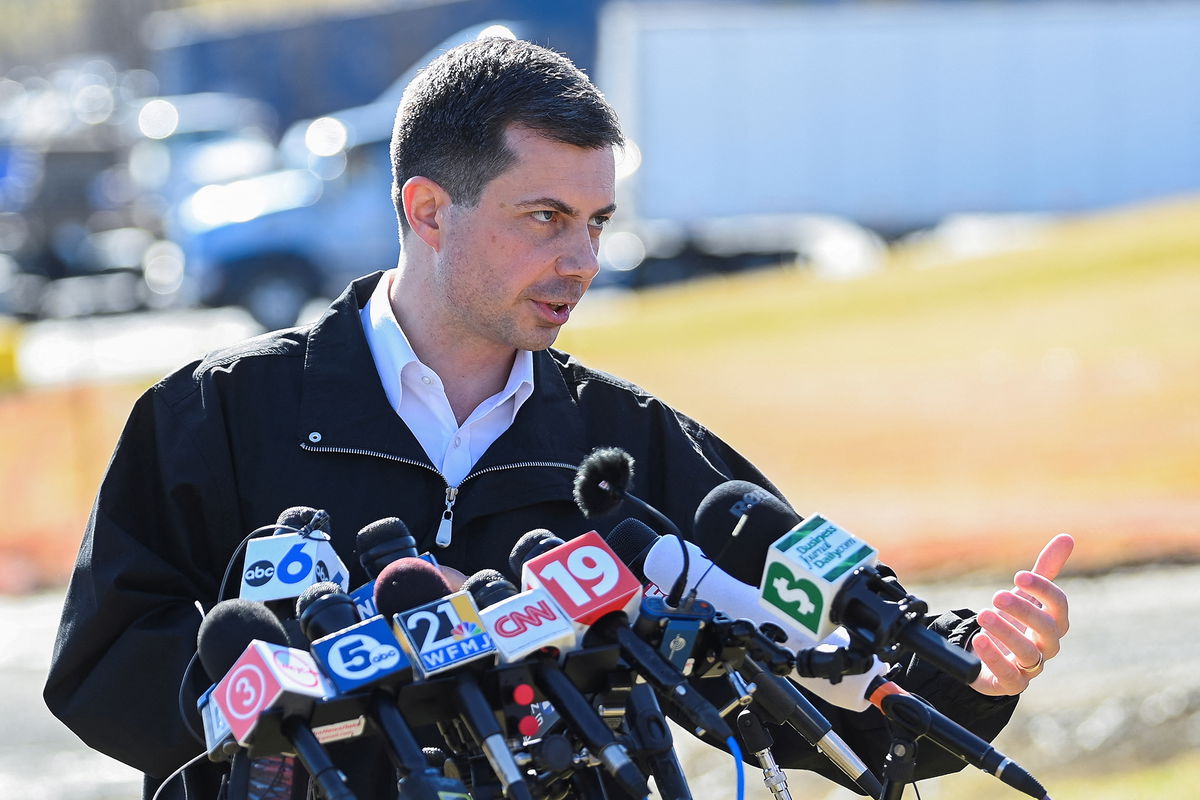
<point x="712" y="562"/>
<point x="738" y="766"/>
<point x="238" y="550"/>
<point x="602" y="483"/>
<point x="317" y="522"/>
<point x="183" y="682"/>
<point x="177" y="773"/>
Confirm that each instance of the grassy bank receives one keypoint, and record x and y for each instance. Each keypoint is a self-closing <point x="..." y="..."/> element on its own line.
<point x="979" y="405"/>
<point x="956" y="412"/>
<point x="1177" y="777"/>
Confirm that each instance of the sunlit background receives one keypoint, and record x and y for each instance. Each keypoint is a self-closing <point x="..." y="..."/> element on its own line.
<point x="933" y="266"/>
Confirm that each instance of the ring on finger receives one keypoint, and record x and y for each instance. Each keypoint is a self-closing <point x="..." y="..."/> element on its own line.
<point x="1031" y="670"/>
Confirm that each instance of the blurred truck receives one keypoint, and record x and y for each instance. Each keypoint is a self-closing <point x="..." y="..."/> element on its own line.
<point x="893" y="116"/>
<point x="325" y="57"/>
<point x="274" y="242"/>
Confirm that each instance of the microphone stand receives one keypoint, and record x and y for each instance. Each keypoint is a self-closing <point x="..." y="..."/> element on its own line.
<point x="758" y="741"/>
<point x="901" y="758"/>
<point x="648" y="728"/>
<point x="238" y="781"/>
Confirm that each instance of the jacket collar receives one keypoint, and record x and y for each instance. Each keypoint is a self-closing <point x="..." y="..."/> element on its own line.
<point x="343" y="406"/>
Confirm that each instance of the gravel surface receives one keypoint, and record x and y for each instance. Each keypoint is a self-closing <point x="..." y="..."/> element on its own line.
<point x="1124" y="690"/>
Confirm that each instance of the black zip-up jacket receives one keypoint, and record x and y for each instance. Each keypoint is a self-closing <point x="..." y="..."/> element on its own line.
<point x="299" y="417"/>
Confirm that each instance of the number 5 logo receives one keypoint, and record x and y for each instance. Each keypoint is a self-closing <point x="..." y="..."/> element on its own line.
<point x="358" y="657"/>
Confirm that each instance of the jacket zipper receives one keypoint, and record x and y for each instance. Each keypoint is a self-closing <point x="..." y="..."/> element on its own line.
<point x="445" y="525"/>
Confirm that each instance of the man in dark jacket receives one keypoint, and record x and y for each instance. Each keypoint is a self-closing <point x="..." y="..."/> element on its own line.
<point x="428" y="392"/>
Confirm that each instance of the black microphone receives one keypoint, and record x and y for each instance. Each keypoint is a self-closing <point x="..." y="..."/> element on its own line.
<point x="739" y="512"/>
<point x="379" y="544"/>
<point x="602" y="484"/>
<point x="492" y="591"/>
<point x="382" y="542"/>
<point x="595" y="589"/>
<point x="243" y="641"/>
<point x="362" y="656"/>
<point x="529" y="546"/>
<point x="918" y="717"/>
<point x="411" y="588"/>
<point x="303" y="520"/>
<point x="781" y="703"/>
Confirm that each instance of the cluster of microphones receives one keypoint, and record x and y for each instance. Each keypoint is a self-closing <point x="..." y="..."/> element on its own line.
<point x="561" y="685"/>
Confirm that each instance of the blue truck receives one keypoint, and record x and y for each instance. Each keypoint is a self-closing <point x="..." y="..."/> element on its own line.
<point x="273" y="242"/>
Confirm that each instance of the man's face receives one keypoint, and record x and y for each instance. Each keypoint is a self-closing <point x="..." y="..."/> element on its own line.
<point x="511" y="269"/>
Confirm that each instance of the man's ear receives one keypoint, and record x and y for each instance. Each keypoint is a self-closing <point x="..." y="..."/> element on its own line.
<point x="424" y="202"/>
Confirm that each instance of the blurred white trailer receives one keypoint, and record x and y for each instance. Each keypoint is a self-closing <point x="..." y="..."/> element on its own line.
<point x="895" y="116"/>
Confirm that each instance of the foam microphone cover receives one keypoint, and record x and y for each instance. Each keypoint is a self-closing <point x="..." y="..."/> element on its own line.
<point x="407" y="583"/>
<point x="488" y="587"/>
<point x="324" y="608"/>
<point x="482" y="578"/>
<point x="298" y="517"/>
<point x="229" y="627"/>
<point x="631" y="539"/>
<point x="382" y="542"/>
<point x="601" y="480"/>
<point x="767" y="518"/>
<point x="529" y="546"/>
<point x="314" y="593"/>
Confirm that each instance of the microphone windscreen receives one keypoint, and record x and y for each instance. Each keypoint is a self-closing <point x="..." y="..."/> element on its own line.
<point x="407" y="583"/>
<point x="631" y="539"/>
<point x="298" y="518"/>
<point x="482" y="578"/>
<point x="382" y="542"/>
<point x="488" y="587"/>
<point x="767" y="518"/>
<point x="601" y="480"/>
<point x="229" y="627"/>
<point x="323" y="609"/>
<point x="531" y="545"/>
<point x="313" y="593"/>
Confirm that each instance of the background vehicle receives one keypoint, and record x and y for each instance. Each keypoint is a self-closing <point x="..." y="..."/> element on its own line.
<point x="755" y="124"/>
<point x="272" y="243"/>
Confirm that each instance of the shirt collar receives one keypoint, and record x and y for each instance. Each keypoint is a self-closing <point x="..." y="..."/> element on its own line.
<point x="392" y="352"/>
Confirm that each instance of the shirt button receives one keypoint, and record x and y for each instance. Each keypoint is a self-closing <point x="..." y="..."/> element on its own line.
<point x="457" y="441"/>
<point x="314" y="437"/>
<point x="425" y="379"/>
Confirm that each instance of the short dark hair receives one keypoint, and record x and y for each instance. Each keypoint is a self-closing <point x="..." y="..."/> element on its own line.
<point x="450" y="125"/>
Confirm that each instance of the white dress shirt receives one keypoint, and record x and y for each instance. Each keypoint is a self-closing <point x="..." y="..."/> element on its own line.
<point x="416" y="393"/>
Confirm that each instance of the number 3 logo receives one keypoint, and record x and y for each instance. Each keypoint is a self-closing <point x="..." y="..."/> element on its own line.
<point x="245" y="692"/>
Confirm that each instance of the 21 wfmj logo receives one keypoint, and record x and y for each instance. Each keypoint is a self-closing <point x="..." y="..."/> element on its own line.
<point x="444" y="633"/>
